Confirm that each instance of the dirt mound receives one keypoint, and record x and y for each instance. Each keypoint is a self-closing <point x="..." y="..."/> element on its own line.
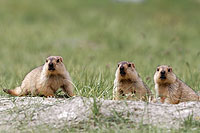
<point x="29" y="112"/>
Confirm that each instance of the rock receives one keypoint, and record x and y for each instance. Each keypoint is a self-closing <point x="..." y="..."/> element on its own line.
<point x="29" y="112"/>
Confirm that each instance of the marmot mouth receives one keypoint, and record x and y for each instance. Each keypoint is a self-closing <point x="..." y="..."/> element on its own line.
<point x="122" y="73"/>
<point x="163" y="77"/>
<point x="51" y="69"/>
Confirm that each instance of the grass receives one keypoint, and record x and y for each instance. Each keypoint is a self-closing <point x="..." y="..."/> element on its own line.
<point x="94" y="35"/>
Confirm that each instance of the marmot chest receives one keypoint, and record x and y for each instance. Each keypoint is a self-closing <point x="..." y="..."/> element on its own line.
<point x="168" y="90"/>
<point x="126" y="86"/>
<point x="54" y="82"/>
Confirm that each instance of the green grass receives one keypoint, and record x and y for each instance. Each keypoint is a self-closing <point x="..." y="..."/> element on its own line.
<point x="94" y="35"/>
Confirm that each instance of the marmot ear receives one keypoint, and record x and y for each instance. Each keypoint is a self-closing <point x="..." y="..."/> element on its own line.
<point x="61" y="59"/>
<point x="170" y="69"/>
<point x="133" y="65"/>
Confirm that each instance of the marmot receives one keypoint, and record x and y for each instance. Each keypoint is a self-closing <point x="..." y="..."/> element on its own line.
<point x="171" y="89"/>
<point x="128" y="84"/>
<point x="45" y="80"/>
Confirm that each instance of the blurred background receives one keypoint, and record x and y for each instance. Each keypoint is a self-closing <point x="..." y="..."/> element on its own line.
<point x="94" y="35"/>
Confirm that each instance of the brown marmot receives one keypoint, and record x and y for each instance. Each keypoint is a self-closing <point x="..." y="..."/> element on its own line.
<point x="45" y="80"/>
<point x="170" y="89"/>
<point x="128" y="84"/>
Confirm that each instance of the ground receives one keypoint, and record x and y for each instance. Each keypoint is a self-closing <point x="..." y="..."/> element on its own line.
<point x="94" y="35"/>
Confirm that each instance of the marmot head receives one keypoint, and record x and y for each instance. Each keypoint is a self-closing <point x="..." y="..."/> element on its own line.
<point x="164" y="75"/>
<point x="54" y="64"/>
<point x="126" y="71"/>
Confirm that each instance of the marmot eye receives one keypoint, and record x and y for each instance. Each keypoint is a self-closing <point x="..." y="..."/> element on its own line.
<point x="58" y="61"/>
<point x="129" y="65"/>
<point x="169" y="70"/>
<point x="157" y="69"/>
<point x="46" y="60"/>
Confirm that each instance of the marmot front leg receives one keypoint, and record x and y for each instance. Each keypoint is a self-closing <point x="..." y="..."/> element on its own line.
<point x="48" y="92"/>
<point x="68" y="89"/>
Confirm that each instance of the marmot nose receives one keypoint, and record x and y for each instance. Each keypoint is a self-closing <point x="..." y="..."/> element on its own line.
<point x="50" y="64"/>
<point x="121" y="68"/>
<point x="162" y="72"/>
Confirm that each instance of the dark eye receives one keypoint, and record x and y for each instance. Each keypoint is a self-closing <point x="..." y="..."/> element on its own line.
<point x="157" y="69"/>
<point x="58" y="61"/>
<point x="169" y="70"/>
<point x="117" y="65"/>
<point x="46" y="60"/>
<point x="129" y="65"/>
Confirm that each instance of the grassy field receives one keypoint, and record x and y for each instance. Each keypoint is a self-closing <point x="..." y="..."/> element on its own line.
<point x="94" y="35"/>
